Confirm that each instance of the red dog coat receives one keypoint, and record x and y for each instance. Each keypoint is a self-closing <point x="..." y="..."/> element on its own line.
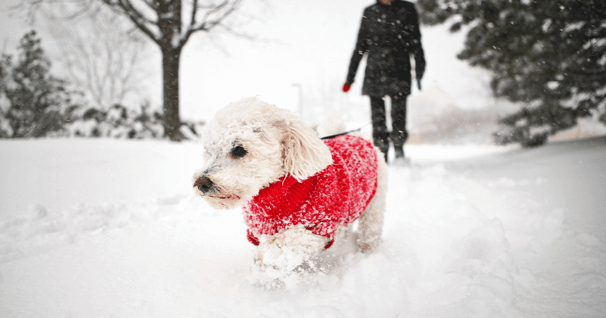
<point x="323" y="202"/>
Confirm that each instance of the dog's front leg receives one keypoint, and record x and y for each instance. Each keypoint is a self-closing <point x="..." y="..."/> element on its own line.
<point x="281" y="254"/>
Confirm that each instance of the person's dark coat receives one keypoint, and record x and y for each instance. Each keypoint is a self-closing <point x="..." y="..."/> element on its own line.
<point x="390" y="35"/>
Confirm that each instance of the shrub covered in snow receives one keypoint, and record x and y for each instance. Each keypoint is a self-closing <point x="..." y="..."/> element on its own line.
<point x="117" y="122"/>
<point x="33" y="103"/>
<point x="120" y="122"/>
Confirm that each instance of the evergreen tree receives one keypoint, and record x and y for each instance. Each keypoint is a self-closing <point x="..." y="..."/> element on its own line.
<point x="548" y="55"/>
<point x="38" y="103"/>
<point x="5" y="66"/>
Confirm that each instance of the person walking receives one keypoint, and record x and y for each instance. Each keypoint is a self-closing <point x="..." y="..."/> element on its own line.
<point x="389" y="34"/>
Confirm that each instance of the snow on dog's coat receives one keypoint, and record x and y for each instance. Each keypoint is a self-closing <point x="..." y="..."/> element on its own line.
<point x="296" y="189"/>
<point x="335" y="196"/>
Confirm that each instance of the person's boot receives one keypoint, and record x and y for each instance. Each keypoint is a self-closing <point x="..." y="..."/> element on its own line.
<point x="399" y="152"/>
<point x="384" y="147"/>
<point x="385" y="152"/>
<point x="400" y="159"/>
<point x="381" y="141"/>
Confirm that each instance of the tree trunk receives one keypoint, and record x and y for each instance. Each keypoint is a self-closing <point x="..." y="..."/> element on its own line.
<point x="170" y="68"/>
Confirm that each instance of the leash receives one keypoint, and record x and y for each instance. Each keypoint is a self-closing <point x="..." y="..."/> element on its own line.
<point x="343" y="133"/>
<point x="347" y="132"/>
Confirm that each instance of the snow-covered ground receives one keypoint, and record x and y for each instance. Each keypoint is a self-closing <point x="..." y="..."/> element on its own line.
<point x="111" y="228"/>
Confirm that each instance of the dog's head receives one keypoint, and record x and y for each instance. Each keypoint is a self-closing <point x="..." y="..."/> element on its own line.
<point x="251" y="144"/>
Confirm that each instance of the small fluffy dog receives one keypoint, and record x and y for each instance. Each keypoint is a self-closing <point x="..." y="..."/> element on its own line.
<point x="296" y="189"/>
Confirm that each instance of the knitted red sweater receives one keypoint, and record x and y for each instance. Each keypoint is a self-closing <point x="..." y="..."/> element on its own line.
<point x="323" y="202"/>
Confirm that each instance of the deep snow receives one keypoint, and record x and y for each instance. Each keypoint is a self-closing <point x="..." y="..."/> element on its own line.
<point x="111" y="228"/>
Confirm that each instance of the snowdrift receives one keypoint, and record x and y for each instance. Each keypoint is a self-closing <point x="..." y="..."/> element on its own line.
<point x="111" y="228"/>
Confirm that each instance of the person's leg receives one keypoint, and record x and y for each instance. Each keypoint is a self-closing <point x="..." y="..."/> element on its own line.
<point x="399" y="134"/>
<point x="380" y="135"/>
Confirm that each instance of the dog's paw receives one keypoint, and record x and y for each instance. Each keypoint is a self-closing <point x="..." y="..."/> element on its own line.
<point x="286" y="258"/>
<point x="289" y="249"/>
<point x="365" y="246"/>
<point x="272" y="277"/>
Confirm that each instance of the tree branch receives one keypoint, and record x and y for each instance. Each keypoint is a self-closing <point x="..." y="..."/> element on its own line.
<point x="205" y="24"/>
<point x="125" y="7"/>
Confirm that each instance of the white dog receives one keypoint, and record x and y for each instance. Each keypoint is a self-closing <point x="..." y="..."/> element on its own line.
<point x="297" y="190"/>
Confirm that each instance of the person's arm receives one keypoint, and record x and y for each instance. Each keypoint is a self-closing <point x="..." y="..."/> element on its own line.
<point x="359" y="51"/>
<point x="416" y="47"/>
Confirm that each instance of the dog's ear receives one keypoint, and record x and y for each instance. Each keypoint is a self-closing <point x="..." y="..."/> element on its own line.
<point x="304" y="152"/>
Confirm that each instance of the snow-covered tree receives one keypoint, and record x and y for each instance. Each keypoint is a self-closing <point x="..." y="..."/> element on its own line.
<point x="547" y="55"/>
<point x="35" y="102"/>
<point x="169" y="24"/>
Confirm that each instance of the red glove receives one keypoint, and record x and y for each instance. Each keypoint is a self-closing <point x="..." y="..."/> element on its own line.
<point x="346" y="87"/>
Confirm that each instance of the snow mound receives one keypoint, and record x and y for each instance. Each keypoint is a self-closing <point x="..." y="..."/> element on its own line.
<point x="462" y="238"/>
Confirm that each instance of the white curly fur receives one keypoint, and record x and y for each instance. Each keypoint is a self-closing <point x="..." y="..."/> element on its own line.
<point x="277" y="143"/>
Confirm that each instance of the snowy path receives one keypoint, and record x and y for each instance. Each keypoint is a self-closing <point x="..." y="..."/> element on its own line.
<point x="103" y="228"/>
<point x="568" y="179"/>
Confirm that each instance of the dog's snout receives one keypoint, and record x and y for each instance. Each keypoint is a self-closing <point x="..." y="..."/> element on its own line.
<point x="204" y="184"/>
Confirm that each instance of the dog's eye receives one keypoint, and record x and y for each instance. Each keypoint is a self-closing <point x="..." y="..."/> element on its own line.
<point x="238" y="152"/>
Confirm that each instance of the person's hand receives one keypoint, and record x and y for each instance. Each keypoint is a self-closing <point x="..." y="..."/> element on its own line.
<point x="419" y="72"/>
<point x="346" y="87"/>
<point x="419" y="66"/>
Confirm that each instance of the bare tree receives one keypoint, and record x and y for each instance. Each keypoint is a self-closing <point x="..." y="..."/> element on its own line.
<point x="169" y="24"/>
<point x="99" y="57"/>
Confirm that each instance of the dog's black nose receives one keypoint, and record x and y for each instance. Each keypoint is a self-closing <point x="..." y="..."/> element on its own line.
<point x="204" y="184"/>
